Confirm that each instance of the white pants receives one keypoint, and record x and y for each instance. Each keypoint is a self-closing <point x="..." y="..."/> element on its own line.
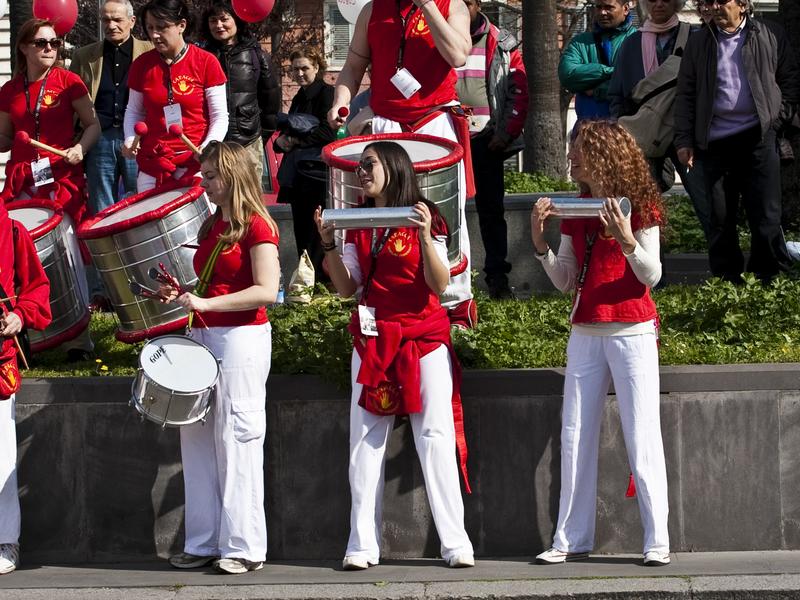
<point x="9" y="497"/>
<point x="460" y="287"/>
<point x="223" y="459"/>
<point x="592" y="362"/>
<point x="435" y="440"/>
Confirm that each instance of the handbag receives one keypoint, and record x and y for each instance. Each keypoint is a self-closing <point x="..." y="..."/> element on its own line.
<point x="653" y="124"/>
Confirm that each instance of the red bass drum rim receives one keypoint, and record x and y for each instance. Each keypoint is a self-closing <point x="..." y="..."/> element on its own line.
<point x="424" y="166"/>
<point x="44" y="228"/>
<point x="87" y="232"/>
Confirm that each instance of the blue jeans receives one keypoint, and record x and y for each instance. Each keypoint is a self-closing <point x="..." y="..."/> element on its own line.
<point x="107" y="171"/>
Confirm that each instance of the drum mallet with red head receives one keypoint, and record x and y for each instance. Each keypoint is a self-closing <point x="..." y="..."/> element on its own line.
<point x="23" y="137"/>
<point x="177" y="131"/>
<point x="140" y="129"/>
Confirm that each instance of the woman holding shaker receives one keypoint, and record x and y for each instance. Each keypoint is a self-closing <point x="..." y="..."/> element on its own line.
<point x="402" y="347"/>
<point x="609" y="263"/>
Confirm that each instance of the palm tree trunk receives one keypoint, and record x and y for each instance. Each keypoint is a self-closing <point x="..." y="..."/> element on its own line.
<point x="544" y="134"/>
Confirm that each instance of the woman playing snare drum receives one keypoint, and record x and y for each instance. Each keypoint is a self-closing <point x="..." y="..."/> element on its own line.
<point x="223" y="460"/>
<point x="409" y="366"/>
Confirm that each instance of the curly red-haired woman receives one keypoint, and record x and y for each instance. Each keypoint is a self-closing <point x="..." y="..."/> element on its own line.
<point x="610" y="262"/>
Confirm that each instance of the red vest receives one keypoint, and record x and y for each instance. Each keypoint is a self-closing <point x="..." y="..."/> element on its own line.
<point x="398" y="291"/>
<point x="611" y="292"/>
<point x="421" y="58"/>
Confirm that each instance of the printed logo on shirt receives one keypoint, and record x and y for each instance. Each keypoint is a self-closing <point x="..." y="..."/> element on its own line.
<point x="183" y="84"/>
<point x="399" y="243"/>
<point x="50" y="99"/>
<point x="384" y="398"/>
<point x="420" y="26"/>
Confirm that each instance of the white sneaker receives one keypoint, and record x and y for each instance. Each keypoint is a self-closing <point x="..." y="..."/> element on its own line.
<point x="656" y="559"/>
<point x="9" y="558"/>
<point x="553" y="556"/>
<point x="236" y="566"/>
<point x="793" y="248"/>
<point x="355" y="563"/>
<point x="461" y="561"/>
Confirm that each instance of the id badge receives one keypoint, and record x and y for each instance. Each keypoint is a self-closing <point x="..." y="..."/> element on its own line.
<point x="366" y="319"/>
<point x="42" y="172"/>
<point x="405" y="83"/>
<point x="172" y="115"/>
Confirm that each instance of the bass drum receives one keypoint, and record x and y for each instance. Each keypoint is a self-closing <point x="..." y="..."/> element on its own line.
<point x="129" y="238"/>
<point x="59" y="256"/>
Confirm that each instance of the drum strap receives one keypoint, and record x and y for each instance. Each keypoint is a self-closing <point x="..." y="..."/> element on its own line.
<point x="205" y="275"/>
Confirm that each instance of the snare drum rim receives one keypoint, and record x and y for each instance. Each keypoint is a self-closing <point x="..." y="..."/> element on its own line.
<point x="137" y="403"/>
<point x="87" y="232"/>
<point x="455" y="155"/>
<point x="47" y="226"/>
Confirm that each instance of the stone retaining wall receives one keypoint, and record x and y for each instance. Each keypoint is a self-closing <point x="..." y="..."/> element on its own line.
<point x="98" y="485"/>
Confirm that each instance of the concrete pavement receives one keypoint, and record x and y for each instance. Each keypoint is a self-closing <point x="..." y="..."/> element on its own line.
<point x="707" y="576"/>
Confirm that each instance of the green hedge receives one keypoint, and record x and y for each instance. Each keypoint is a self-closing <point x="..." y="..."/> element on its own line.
<point x="709" y="324"/>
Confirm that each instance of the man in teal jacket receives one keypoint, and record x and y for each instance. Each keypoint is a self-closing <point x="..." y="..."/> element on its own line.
<point x="588" y="60"/>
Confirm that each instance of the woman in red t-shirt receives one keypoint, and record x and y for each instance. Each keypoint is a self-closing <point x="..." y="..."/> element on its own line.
<point x="402" y="347"/>
<point x="223" y="459"/>
<point x="42" y="100"/>
<point x="175" y="83"/>
<point x="610" y="263"/>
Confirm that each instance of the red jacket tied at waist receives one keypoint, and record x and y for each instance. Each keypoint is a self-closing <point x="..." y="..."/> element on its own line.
<point x="67" y="188"/>
<point x="161" y="162"/>
<point x="390" y="373"/>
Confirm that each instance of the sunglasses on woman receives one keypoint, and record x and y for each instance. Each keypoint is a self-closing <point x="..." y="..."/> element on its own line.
<point x="42" y="43"/>
<point x="365" y="166"/>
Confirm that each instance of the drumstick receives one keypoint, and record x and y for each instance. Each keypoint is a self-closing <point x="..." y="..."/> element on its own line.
<point x="140" y="129"/>
<point x="177" y="131"/>
<point x="137" y="289"/>
<point x="26" y="139"/>
<point x="172" y="279"/>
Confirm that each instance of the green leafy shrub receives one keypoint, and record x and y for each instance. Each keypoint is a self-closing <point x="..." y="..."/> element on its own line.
<point x="714" y="323"/>
<point x="531" y="183"/>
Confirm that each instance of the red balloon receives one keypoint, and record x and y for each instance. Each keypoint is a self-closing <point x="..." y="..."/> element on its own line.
<point x="62" y="13"/>
<point x="253" y="11"/>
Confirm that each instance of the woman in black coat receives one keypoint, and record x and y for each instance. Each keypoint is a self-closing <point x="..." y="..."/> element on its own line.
<point x="254" y="97"/>
<point x="302" y="175"/>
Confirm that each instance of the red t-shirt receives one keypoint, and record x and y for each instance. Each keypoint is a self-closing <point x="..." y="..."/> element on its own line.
<point x="55" y="114"/>
<point x="190" y="77"/>
<point x="233" y="271"/>
<point x="421" y="57"/>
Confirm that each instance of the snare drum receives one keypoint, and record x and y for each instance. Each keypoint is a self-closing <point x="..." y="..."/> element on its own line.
<point x="176" y="381"/>
<point x="127" y="239"/>
<point x="435" y="163"/>
<point x="44" y="221"/>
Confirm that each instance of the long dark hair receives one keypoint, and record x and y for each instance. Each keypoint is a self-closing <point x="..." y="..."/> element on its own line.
<point x="223" y="7"/>
<point x="173" y="11"/>
<point x="401" y="187"/>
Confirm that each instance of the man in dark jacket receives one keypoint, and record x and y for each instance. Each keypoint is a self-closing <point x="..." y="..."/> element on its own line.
<point x="588" y="60"/>
<point x="738" y="83"/>
<point x="494" y="85"/>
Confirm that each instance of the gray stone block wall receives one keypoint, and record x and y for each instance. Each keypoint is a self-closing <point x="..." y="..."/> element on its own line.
<point x="99" y="485"/>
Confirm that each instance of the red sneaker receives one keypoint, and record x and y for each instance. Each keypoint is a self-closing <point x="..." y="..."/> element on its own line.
<point x="464" y="315"/>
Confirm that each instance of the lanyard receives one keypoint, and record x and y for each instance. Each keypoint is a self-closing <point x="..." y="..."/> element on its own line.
<point x="587" y="255"/>
<point x="377" y="246"/>
<point x="404" y="20"/>
<point x="168" y="83"/>
<point x="38" y="107"/>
